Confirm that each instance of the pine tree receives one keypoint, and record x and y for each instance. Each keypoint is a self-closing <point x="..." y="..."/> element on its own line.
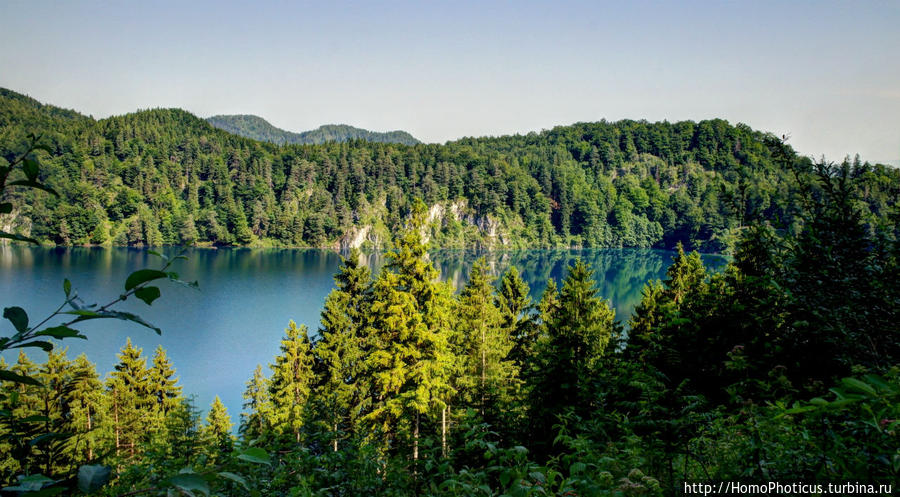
<point x="291" y="383"/>
<point x="339" y="393"/>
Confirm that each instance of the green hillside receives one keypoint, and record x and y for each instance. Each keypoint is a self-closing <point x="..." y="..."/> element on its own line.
<point x="259" y="129"/>
<point x="165" y="176"/>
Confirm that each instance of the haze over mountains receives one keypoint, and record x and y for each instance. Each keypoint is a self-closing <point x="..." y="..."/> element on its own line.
<point x="257" y="128"/>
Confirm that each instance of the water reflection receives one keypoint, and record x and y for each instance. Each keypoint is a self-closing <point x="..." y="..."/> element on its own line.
<point x="217" y="335"/>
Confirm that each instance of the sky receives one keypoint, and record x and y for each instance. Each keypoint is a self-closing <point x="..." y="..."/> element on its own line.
<point x="827" y="73"/>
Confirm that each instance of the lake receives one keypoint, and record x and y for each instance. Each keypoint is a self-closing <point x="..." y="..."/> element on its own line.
<point x="215" y="336"/>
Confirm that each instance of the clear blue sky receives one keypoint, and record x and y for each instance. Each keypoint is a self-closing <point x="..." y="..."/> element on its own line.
<point x="826" y="72"/>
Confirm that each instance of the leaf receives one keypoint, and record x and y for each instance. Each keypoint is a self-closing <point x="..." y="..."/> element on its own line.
<point x="255" y="455"/>
<point x="38" y="344"/>
<point x="30" y="483"/>
<point x="577" y="468"/>
<point x="17" y="378"/>
<point x="158" y="254"/>
<point x="190" y="482"/>
<point x="92" y="477"/>
<point x="235" y="478"/>
<point x="84" y="315"/>
<point x="17" y="316"/>
<point x="67" y="287"/>
<point x="46" y="492"/>
<point x="45" y="148"/>
<point x="18" y="238"/>
<point x="47" y="437"/>
<point x="147" y="294"/>
<point x="31" y="168"/>
<point x="857" y="385"/>
<point x="5" y="208"/>
<point x="60" y="332"/>
<point x="35" y="185"/>
<point x="143" y="276"/>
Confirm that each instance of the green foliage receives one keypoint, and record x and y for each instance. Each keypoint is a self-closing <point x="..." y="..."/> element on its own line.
<point x="165" y="177"/>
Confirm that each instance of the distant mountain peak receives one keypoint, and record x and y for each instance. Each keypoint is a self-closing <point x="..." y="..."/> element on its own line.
<point x="257" y="128"/>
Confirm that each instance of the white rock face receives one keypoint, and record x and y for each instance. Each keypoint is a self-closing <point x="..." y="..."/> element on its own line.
<point x="355" y="238"/>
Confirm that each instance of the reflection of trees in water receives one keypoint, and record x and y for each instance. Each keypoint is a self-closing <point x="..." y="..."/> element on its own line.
<point x="620" y="273"/>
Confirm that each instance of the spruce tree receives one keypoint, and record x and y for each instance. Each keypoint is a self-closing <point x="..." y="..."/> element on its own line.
<point x="489" y="375"/>
<point x="578" y="330"/>
<point x="516" y="310"/>
<point x="291" y="383"/>
<point x="85" y="399"/>
<point x="411" y="361"/>
<point x="339" y="393"/>
<point x="163" y="383"/>
<point x="131" y="400"/>
<point x="256" y="421"/>
<point x="217" y="430"/>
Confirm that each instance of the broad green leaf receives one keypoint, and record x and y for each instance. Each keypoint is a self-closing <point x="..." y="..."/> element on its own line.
<point x="67" y="287"/>
<point x="577" y="468"/>
<point x="30" y="483"/>
<point x="85" y="315"/>
<point x="35" y="185"/>
<point x="92" y="477"/>
<point x="17" y="378"/>
<point x="859" y="386"/>
<point x="147" y="294"/>
<point x="235" y="478"/>
<point x="31" y="168"/>
<point x="46" y="492"/>
<point x="17" y="316"/>
<point x="190" y="482"/>
<point x="143" y="276"/>
<point x="255" y="455"/>
<point x="38" y="344"/>
<point x="18" y="238"/>
<point x="46" y="437"/>
<point x="60" y="332"/>
<point x="37" y="418"/>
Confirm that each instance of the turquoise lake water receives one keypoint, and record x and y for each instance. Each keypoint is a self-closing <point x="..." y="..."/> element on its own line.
<point x="215" y="336"/>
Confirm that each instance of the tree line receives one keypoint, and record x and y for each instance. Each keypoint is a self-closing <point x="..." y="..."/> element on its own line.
<point x="166" y="177"/>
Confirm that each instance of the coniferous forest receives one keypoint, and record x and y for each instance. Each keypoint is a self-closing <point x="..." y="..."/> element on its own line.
<point x="783" y="367"/>
<point x="165" y="177"/>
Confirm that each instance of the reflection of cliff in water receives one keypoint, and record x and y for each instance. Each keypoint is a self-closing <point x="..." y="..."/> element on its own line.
<point x="620" y="273"/>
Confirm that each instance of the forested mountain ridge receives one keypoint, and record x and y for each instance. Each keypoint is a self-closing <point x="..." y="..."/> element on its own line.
<point x="165" y="176"/>
<point x="255" y="127"/>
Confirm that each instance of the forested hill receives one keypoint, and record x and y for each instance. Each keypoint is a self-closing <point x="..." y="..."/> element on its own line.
<point x="259" y="129"/>
<point x="165" y="176"/>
